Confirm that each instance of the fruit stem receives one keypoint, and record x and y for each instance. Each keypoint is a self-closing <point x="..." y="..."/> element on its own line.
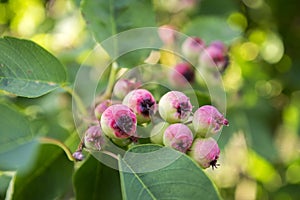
<point x="111" y="82"/>
<point x="77" y="99"/>
<point x="111" y="154"/>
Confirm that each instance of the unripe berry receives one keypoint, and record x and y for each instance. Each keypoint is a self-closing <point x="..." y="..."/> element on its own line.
<point x="167" y="34"/>
<point x="182" y="74"/>
<point x="123" y="87"/>
<point x="94" y="139"/>
<point x="118" y="121"/>
<point x="122" y="142"/>
<point x="157" y="133"/>
<point x="192" y="47"/>
<point x="78" y="156"/>
<point x="207" y="121"/>
<point x="101" y="107"/>
<point x="174" y="107"/>
<point x="205" y="151"/>
<point x="142" y="103"/>
<point x="178" y="136"/>
<point x="215" y="55"/>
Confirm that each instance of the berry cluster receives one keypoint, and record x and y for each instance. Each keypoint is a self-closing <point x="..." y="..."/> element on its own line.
<point x="178" y="126"/>
<point x="196" y="51"/>
<point x="178" y="129"/>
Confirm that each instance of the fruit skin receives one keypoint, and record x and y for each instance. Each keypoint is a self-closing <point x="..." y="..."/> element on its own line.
<point x="123" y="87"/>
<point x="215" y="55"/>
<point x="208" y="121"/>
<point x="182" y="74"/>
<point x="142" y="103"/>
<point x="101" y="107"/>
<point x="122" y="142"/>
<point x="178" y="136"/>
<point x="157" y="133"/>
<point x="78" y="155"/>
<point x="167" y="34"/>
<point x="94" y="139"/>
<point x="205" y="151"/>
<point x="118" y="121"/>
<point x="174" y="107"/>
<point x="192" y="47"/>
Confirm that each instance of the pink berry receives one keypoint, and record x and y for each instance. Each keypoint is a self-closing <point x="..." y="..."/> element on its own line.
<point x="182" y="74"/>
<point x="118" y="121"/>
<point x="94" y="138"/>
<point x="192" y="47"/>
<point x="174" y="107"/>
<point x="207" y="121"/>
<point x="220" y="45"/>
<point x="142" y="103"/>
<point x="78" y="155"/>
<point x="167" y="34"/>
<point x="178" y="136"/>
<point x="215" y="55"/>
<point x="205" y="151"/>
<point x="101" y="107"/>
<point x="123" y="87"/>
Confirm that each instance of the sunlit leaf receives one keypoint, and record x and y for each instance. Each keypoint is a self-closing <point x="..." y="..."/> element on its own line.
<point x="106" y="18"/>
<point x="211" y="28"/>
<point x="27" y="69"/>
<point x="177" y="178"/>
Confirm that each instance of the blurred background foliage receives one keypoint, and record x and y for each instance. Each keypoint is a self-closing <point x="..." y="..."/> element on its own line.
<point x="261" y="148"/>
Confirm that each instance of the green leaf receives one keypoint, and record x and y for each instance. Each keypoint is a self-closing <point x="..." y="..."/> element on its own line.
<point x="94" y="180"/>
<point x="211" y="28"/>
<point x="4" y="183"/>
<point x="208" y="7"/>
<point x="27" y="69"/>
<point x="107" y="18"/>
<point x="49" y="178"/>
<point x="17" y="146"/>
<point x="155" y="172"/>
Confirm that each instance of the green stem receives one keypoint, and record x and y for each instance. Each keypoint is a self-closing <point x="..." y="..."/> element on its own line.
<point x="45" y="140"/>
<point x="111" y="154"/>
<point x="111" y="81"/>
<point x="77" y="99"/>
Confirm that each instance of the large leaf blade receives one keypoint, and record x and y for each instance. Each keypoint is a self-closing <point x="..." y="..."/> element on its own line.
<point x="27" y="69"/>
<point x="94" y="180"/>
<point x="212" y="28"/>
<point x="17" y="144"/>
<point x="107" y="18"/>
<point x="179" y="179"/>
<point x="49" y="178"/>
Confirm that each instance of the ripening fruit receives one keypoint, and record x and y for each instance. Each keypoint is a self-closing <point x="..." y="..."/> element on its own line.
<point x="167" y="34"/>
<point x="207" y="121"/>
<point x="142" y="103"/>
<point x="205" y="151"/>
<point x="178" y="136"/>
<point x="122" y="142"/>
<point x="192" y="47"/>
<point x="215" y="55"/>
<point x="94" y="139"/>
<point x="118" y="121"/>
<point x="101" y="107"/>
<point x="174" y="107"/>
<point x="123" y="87"/>
<point x="182" y="74"/>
